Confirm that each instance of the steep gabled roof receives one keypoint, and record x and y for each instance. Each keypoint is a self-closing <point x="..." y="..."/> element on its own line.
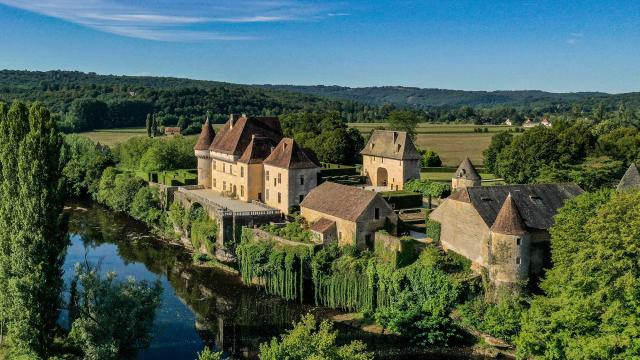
<point x="237" y="133"/>
<point x="466" y="170"/>
<point x="206" y="136"/>
<point x="537" y="203"/>
<point x="391" y="144"/>
<point x="289" y="155"/>
<point x="258" y="149"/>
<point x="341" y="201"/>
<point x="509" y="221"/>
<point x="630" y="180"/>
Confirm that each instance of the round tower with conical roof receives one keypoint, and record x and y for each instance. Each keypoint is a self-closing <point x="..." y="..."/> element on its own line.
<point x="465" y="176"/>
<point x="202" y="153"/>
<point x="509" y="246"/>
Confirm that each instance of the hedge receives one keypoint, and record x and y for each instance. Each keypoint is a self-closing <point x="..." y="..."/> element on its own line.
<point x="402" y="199"/>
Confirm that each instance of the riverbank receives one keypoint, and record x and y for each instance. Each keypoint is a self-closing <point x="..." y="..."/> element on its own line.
<point x="204" y="305"/>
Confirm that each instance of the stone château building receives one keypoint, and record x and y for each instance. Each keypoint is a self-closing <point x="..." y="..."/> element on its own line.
<point x="390" y="159"/>
<point x="347" y="214"/>
<point x="503" y="229"/>
<point x="249" y="159"/>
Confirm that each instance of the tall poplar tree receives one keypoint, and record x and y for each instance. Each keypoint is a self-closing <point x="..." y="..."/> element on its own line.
<point x="34" y="240"/>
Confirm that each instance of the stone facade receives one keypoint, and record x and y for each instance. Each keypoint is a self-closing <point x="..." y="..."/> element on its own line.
<point x="357" y="213"/>
<point x="507" y="236"/>
<point x="390" y="159"/>
<point x="248" y="155"/>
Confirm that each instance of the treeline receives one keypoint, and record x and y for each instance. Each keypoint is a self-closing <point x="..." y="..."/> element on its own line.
<point x="83" y="102"/>
<point x="593" y="152"/>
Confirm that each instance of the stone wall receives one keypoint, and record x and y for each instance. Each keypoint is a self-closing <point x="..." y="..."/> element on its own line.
<point x="398" y="171"/>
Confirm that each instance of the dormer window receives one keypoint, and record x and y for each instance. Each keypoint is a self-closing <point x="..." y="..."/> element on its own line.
<point x="536" y="199"/>
<point x="485" y="198"/>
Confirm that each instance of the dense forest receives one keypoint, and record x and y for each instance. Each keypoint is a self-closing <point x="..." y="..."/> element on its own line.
<point x="429" y="98"/>
<point x="85" y="101"/>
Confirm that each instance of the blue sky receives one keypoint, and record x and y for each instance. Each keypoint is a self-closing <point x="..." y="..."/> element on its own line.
<point x="455" y="44"/>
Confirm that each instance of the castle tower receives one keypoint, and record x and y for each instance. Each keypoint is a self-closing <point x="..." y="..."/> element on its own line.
<point x="509" y="246"/>
<point x="202" y="153"/>
<point x="466" y="176"/>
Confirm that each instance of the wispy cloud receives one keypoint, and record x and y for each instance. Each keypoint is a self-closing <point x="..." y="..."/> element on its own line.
<point x="574" y="37"/>
<point x="168" y="20"/>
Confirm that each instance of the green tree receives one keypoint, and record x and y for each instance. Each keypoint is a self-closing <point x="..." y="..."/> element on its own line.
<point x="149" y="124"/>
<point x="310" y="341"/>
<point x="401" y="120"/>
<point x="520" y="161"/>
<point x="33" y="237"/>
<point x="88" y="114"/>
<point x="498" y="142"/>
<point x="208" y="354"/>
<point x="146" y="205"/>
<point x="591" y="303"/>
<point x="84" y="161"/>
<point x="430" y="159"/>
<point x="115" y="318"/>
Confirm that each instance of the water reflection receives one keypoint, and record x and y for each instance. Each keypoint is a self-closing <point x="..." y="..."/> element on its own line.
<point x="200" y="306"/>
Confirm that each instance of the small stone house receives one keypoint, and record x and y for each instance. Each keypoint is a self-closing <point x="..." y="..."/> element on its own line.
<point x="631" y="179"/>
<point x="503" y="229"/>
<point x="390" y="159"/>
<point x="347" y="214"/>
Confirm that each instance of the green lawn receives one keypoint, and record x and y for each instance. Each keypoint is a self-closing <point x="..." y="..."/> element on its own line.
<point x="111" y="137"/>
<point x="445" y="174"/>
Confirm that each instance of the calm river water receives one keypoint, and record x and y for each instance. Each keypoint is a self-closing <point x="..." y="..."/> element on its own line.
<point x="200" y="306"/>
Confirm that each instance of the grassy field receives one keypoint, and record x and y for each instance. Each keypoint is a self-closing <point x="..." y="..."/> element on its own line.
<point x="425" y="128"/>
<point x="111" y="137"/>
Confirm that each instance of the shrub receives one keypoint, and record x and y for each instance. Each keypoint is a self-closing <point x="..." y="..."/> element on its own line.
<point x="433" y="230"/>
<point x="146" y="205"/>
<point x="430" y="159"/>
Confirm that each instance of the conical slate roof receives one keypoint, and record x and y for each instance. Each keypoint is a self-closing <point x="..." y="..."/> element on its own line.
<point x="206" y="136"/>
<point x="466" y="170"/>
<point x="509" y="221"/>
<point x="630" y="180"/>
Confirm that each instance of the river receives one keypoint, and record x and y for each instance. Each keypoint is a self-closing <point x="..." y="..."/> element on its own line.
<point x="200" y="306"/>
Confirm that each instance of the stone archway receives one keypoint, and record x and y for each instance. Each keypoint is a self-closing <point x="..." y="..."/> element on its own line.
<point x="382" y="177"/>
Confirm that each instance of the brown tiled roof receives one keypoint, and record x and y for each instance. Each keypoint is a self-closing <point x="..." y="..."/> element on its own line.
<point x="258" y="149"/>
<point x="237" y="133"/>
<point x="461" y="194"/>
<point x="466" y="170"/>
<point x="341" y="201"/>
<point x="206" y="137"/>
<point x="391" y="144"/>
<point x="630" y="180"/>
<point x="323" y="225"/>
<point x="537" y="203"/>
<point x="289" y="155"/>
<point x="509" y="221"/>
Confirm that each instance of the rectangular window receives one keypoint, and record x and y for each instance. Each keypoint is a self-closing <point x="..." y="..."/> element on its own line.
<point x="213" y="164"/>
<point x="224" y="167"/>
<point x="266" y="174"/>
<point x="518" y="241"/>
<point x="241" y="171"/>
<point x="518" y="261"/>
<point x="214" y="183"/>
<point x="224" y="185"/>
<point x="279" y="178"/>
<point x="377" y="213"/>
<point x="275" y="181"/>
<point x="241" y="190"/>
<point x="266" y="194"/>
<point x="340" y="235"/>
<point x="301" y="179"/>
<point x="279" y="198"/>
<point x="300" y="198"/>
<point x="230" y="169"/>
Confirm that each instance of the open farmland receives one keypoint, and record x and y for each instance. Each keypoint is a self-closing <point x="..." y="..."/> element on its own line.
<point x="427" y="128"/>
<point x="111" y="137"/>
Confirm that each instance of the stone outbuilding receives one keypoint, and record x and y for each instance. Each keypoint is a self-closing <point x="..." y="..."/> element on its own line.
<point x="466" y="175"/>
<point x="346" y="213"/>
<point x="503" y="229"/>
<point x="631" y="179"/>
<point x="390" y="159"/>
